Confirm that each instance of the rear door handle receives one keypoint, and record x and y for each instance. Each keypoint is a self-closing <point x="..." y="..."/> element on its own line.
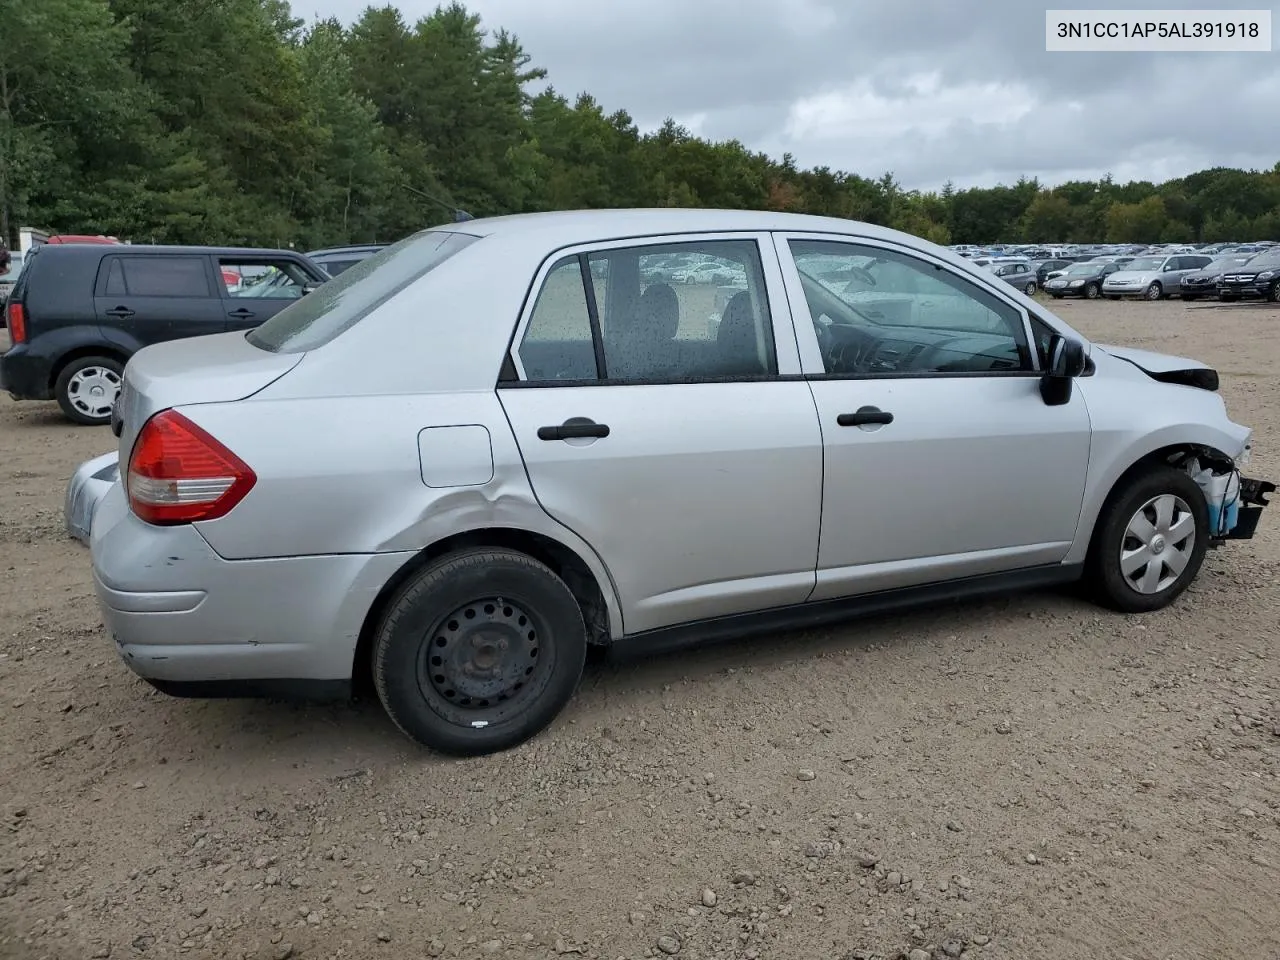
<point x="241" y="314"/>
<point x="864" y="417"/>
<point x="120" y="312"/>
<point x="573" y="429"/>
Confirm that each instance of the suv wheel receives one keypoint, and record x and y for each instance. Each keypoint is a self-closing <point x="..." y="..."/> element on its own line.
<point x="87" y="388"/>
<point x="1150" y="541"/>
<point x="1154" y="292"/>
<point x="479" y="651"/>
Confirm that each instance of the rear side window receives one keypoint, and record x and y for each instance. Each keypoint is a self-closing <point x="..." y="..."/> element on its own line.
<point x="165" y="276"/>
<point x="344" y="301"/>
<point x="335" y="267"/>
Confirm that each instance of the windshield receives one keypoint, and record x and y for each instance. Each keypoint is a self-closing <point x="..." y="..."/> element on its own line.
<point x="1082" y="269"/>
<point x="1268" y="258"/>
<point x="344" y="301"/>
<point x="1145" y="263"/>
<point x="1226" y="263"/>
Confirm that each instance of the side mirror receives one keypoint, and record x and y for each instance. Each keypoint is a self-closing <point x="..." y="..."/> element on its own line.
<point x="310" y="286"/>
<point x="1066" y="362"/>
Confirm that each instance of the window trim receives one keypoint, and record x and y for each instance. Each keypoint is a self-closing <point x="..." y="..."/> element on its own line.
<point x="785" y="349"/>
<point x="802" y="318"/>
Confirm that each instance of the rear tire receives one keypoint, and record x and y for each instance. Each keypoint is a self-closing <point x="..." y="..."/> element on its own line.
<point x="1030" y="289"/>
<point x="87" y="388"/>
<point x="1149" y="542"/>
<point x="479" y="651"/>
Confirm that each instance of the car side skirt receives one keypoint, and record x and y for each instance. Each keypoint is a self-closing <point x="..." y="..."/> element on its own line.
<point x="806" y="616"/>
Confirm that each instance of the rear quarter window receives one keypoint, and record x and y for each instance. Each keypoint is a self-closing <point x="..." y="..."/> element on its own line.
<point x="341" y="303"/>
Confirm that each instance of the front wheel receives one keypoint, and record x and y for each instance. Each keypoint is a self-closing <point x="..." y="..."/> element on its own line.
<point x="479" y="651"/>
<point x="1273" y="292"/>
<point x="87" y="388"/>
<point x="1091" y="291"/>
<point x="1150" y="541"/>
<point x="1154" y="292"/>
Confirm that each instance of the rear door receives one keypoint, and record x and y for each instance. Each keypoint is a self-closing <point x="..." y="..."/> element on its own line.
<point x="678" y="439"/>
<point x="145" y="298"/>
<point x="255" y="288"/>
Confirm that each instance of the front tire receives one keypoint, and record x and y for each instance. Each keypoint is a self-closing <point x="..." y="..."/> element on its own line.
<point x="1273" y="292"/>
<point x="1091" y="291"/>
<point x="1149" y="543"/>
<point x="479" y="651"/>
<point x="1153" y="292"/>
<point x="87" y="388"/>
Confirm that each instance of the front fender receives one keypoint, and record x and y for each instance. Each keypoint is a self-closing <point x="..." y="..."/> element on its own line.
<point x="1112" y="453"/>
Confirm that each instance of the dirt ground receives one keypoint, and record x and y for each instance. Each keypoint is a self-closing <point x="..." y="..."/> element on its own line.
<point x="1019" y="778"/>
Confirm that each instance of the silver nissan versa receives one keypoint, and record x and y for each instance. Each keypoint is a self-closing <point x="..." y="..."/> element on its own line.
<point x="467" y="458"/>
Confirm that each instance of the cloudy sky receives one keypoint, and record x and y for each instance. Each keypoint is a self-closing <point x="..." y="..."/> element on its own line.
<point x="928" y="89"/>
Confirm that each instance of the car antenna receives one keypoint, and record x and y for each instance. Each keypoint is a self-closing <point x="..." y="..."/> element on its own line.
<point x="459" y="216"/>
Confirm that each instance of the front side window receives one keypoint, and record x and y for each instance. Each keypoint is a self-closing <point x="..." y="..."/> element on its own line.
<point x="677" y="312"/>
<point x="263" y="279"/>
<point x="881" y="312"/>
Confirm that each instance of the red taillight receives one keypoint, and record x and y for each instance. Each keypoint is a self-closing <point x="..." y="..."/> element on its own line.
<point x="180" y="474"/>
<point x="17" y="323"/>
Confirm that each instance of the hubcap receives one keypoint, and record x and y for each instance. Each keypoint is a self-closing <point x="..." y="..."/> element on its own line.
<point x="1157" y="544"/>
<point x="481" y="656"/>
<point x="1153" y="292"/>
<point x="93" y="391"/>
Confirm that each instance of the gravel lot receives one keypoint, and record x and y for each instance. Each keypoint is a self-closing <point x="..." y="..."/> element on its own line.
<point x="1020" y="778"/>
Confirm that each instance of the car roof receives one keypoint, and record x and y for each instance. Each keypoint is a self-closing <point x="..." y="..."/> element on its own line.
<point x="115" y="249"/>
<point x="354" y="248"/>
<point x="566" y="227"/>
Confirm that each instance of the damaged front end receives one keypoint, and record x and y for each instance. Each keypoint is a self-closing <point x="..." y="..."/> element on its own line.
<point x="1235" y="502"/>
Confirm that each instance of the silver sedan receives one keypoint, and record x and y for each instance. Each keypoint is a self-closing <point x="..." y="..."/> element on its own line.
<point x="465" y="460"/>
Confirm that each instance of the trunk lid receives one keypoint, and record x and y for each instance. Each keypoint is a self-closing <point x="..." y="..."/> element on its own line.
<point x="219" y="368"/>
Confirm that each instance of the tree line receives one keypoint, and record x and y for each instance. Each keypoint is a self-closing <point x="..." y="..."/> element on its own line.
<point x="233" y="121"/>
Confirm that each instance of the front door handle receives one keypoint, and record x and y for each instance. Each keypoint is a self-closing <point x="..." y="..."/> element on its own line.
<point x="864" y="417"/>
<point x="241" y="314"/>
<point x="573" y="429"/>
<point x="120" y="312"/>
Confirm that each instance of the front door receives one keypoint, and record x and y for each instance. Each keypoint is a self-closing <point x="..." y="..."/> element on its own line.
<point x="660" y="431"/>
<point x="254" y="288"/>
<point x="149" y="298"/>
<point x="941" y="459"/>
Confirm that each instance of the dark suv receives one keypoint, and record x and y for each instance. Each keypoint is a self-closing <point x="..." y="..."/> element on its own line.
<point x="336" y="259"/>
<point x="78" y="312"/>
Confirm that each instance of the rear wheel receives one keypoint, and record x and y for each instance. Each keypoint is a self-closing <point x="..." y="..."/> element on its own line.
<point x="1030" y="289"/>
<point x="1154" y="292"/>
<point x="87" y="388"/>
<point x="1150" y="541"/>
<point x="479" y="651"/>
<point x="1091" y="291"/>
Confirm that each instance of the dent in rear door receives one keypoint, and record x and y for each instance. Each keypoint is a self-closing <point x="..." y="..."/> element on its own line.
<point x="702" y="498"/>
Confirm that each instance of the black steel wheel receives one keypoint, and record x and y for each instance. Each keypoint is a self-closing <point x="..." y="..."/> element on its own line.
<point x="479" y="651"/>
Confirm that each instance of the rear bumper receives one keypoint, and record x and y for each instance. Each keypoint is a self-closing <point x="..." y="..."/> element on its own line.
<point x="198" y="625"/>
<point x="24" y="375"/>
<point x="86" y="488"/>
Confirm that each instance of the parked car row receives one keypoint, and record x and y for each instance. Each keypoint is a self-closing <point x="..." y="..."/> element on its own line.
<point x="79" y="311"/>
